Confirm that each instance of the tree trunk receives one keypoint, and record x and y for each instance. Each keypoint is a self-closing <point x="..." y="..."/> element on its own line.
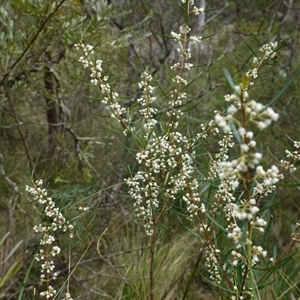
<point x="52" y="115"/>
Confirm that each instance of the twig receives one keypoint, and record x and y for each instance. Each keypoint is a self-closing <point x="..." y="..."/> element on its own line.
<point x="67" y="280"/>
<point x="8" y="180"/>
<point x="290" y="245"/>
<point x="78" y="149"/>
<point x="6" y="89"/>
<point x="115" y="270"/>
<point x="32" y="40"/>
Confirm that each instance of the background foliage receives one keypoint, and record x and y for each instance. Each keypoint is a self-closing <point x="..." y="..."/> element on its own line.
<point x="53" y="125"/>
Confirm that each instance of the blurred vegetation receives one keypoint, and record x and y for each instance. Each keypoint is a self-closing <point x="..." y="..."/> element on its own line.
<point x="54" y="126"/>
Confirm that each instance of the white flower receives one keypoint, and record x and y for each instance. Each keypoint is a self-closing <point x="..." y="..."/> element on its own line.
<point x="249" y="135"/>
<point x="244" y="148"/>
<point x="231" y="110"/>
<point x="176" y="36"/>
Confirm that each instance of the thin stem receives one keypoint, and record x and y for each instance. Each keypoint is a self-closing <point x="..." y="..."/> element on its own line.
<point x="119" y="275"/>
<point x="75" y="267"/>
<point x="32" y="40"/>
<point x="244" y="125"/>
<point x="7" y="93"/>
<point x="253" y="283"/>
<point x="170" y="242"/>
<point x="291" y="244"/>
<point x="152" y="260"/>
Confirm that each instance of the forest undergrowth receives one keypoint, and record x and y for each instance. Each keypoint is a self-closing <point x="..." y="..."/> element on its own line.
<point x="197" y="199"/>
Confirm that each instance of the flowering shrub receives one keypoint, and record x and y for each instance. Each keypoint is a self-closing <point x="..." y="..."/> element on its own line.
<point x="49" y="250"/>
<point x="225" y="200"/>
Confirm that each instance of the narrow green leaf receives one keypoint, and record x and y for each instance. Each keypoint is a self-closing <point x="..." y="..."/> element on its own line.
<point x="235" y="133"/>
<point x="192" y="81"/>
<point x="190" y="108"/>
<point x="269" y="205"/>
<point x="4" y="238"/>
<point x="218" y="224"/>
<point x="25" y="280"/>
<point x="12" y="271"/>
<point x="283" y="90"/>
<point x="176" y="3"/>
<point x="229" y="79"/>
<point x="244" y="62"/>
<point x="13" y="251"/>
<point x="163" y="92"/>
<point x="251" y="49"/>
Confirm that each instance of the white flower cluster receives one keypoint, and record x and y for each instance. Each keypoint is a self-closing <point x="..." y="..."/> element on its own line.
<point x="110" y="97"/>
<point x="231" y="174"/>
<point x="240" y="190"/>
<point x="195" y="10"/>
<point x="252" y="73"/>
<point x="177" y="100"/>
<point x="67" y="296"/>
<point x="165" y="173"/>
<point x="257" y="114"/>
<point x="221" y="169"/>
<point x="292" y="156"/>
<point x="256" y="251"/>
<point x="49" y="293"/>
<point x="179" y="80"/>
<point x="269" y="49"/>
<point x="266" y="180"/>
<point x="211" y="262"/>
<point x="296" y="235"/>
<point x="184" y="29"/>
<point x="96" y="68"/>
<point x="50" y="210"/>
<point x="260" y="115"/>
<point x="147" y="112"/>
<point x="183" y="39"/>
<point x="58" y="222"/>
<point x="245" y="210"/>
<point x="268" y="52"/>
<point x="165" y="160"/>
<point x="83" y="208"/>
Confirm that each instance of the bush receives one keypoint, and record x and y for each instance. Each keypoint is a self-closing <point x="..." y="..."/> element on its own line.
<point x="201" y="191"/>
